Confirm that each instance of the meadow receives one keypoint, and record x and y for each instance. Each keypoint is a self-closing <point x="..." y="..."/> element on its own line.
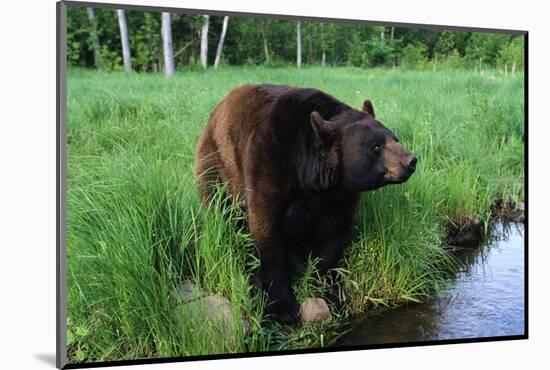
<point x="136" y="229"/>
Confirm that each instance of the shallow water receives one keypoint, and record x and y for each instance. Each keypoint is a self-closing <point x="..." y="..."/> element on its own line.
<point x="485" y="299"/>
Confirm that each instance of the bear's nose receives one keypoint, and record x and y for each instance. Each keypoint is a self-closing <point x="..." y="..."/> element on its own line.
<point x="412" y="164"/>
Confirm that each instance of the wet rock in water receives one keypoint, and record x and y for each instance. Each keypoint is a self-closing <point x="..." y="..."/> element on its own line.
<point x="314" y="309"/>
<point x="464" y="232"/>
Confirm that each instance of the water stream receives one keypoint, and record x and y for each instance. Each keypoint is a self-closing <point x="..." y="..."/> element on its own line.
<point x="485" y="299"/>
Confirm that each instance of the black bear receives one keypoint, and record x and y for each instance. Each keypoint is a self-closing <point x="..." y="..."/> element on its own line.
<point x="298" y="158"/>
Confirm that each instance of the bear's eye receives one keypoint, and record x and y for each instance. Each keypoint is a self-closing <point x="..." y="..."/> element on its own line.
<point x="377" y="148"/>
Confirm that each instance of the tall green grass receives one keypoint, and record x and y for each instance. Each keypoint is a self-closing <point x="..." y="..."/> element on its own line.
<point x="136" y="229"/>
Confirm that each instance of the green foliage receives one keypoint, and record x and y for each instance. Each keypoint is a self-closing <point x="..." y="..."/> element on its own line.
<point x="136" y="229"/>
<point x="79" y="31"/>
<point x="144" y="30"/>
<point x="337" y="42"/>
<point x="512" y="54"/>
<point x="412" y="36"/>
<point x="379" y="52"/>
<point x="357" y="56"/>
<point x="445" y="42"/>
<point x="111" y="60"/>
<point x="451" y="60"/>
<point x="344" y="44"/>
<point x="366" y="48"/>
<point x="246" y="35"/>
<point x="485" y="47"/>
<point x="414" y="56"/>
<point x="451" y="41"/>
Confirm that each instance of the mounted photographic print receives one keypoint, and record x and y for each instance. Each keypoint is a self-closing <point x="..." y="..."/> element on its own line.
<point x="237" y="185"/>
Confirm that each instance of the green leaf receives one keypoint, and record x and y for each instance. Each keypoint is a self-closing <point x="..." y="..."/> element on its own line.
<point x="70" y="338"/>
<point x="79" y="354"/>
<point x="81" y="331"/>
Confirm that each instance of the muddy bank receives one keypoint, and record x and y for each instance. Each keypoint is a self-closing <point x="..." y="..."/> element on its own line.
<point x="464" y="232"/>
<point x="469" y="231"/>
<point x="509" y="211"/>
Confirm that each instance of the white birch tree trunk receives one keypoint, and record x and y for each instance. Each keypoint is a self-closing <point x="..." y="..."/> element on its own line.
<point x="298" y="44"/>
<point x="220" y="43"/>
<point x="480" y="66"/>
<point x="166" y="26"/>
<point x="323" y="55"/>
<point x="126" y="55"/>
<point x="394" y="57"/>
<point x="204" y="41"/>
<point x="310" y="38"/>
<point x="266" y="50"/>
<point x="95" y="38"/>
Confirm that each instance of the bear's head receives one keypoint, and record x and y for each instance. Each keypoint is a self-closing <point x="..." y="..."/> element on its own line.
<point x="370" y="154"/>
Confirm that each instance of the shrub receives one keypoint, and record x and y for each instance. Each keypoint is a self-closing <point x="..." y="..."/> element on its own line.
<point x="414" y="56"/>
<point x="453" y="60"/>
<point x="511" y="53"/>
<point x="379" y="53"/>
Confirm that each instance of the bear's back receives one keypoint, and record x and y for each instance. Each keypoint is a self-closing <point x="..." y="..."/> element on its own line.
<point x="261" y="125"/>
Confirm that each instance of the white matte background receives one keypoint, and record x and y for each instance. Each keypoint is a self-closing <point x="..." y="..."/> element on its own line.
<point x="27" y="182"/>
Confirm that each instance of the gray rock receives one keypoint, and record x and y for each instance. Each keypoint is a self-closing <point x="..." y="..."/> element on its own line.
<point x="189" y="291"/>
<point x="215" y="310"/>
<point x="314" y="309"/>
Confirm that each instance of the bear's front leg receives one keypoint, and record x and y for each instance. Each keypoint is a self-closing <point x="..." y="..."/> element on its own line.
<point x="333" y="231"/>
<point x="330" y="249"/>
<point x="282" y="305"/>
<point x="265" y="217"/>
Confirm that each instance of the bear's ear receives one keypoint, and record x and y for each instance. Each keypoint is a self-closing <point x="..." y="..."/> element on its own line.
<point x="321" y="129"/>
<point x="367" y="108"/>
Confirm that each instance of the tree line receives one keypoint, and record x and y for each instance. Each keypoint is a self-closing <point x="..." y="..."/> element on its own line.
<point x="161" y="42"/>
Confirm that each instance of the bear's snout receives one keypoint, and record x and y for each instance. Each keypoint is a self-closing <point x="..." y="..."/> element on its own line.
<point x="411" y="166"/>
<point x="408" y="166"/>
<point x="399" y="162"/>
